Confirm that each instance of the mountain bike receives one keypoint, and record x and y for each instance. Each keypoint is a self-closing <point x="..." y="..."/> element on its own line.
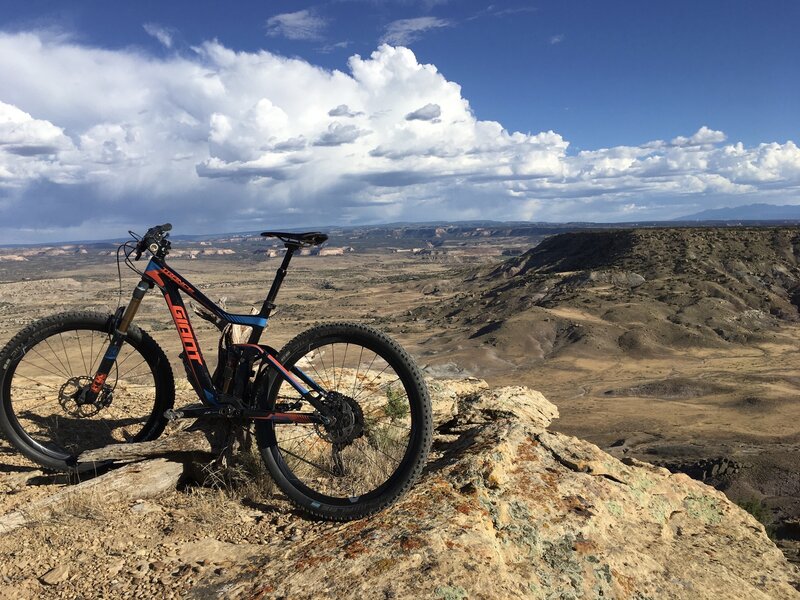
<point x="341" y="415"/>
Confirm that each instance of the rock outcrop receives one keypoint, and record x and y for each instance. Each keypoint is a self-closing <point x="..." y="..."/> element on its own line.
<point x="509" y="509"/>
<point x="505" y="509"/>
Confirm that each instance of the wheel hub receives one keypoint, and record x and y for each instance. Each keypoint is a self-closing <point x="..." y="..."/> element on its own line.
<point x="72" y="397"/>
<point x="348" y="423"/>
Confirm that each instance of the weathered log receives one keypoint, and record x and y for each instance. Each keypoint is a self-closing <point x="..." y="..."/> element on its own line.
<point x="131" y="482"/>
<point x="205" y="437"/>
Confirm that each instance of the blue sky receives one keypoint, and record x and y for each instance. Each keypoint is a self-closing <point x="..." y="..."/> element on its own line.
<point x="570" y="110"/>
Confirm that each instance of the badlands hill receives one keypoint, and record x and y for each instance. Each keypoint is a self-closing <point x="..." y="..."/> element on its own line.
<point x="635" y="292"/>
<point x="505" y="509"/>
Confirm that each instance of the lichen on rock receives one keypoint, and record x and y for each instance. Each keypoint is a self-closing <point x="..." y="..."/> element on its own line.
<point x="509" y="509"/>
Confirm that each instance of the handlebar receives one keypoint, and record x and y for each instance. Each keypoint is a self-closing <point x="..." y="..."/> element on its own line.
<point x="154" y="236"/>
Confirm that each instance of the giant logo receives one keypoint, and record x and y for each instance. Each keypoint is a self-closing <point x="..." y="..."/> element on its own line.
<point x="186" y="333"/>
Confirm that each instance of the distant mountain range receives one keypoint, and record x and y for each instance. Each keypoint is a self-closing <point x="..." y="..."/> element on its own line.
<point x="748" y="212"/>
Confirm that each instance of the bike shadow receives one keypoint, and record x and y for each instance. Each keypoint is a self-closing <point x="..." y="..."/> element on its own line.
<point x="7" y="467"/>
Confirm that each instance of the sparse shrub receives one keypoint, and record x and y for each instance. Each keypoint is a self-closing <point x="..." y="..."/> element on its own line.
<point x="761" y="512"/>
<point x="245" y="477"/>
<point x="396" y="404"/>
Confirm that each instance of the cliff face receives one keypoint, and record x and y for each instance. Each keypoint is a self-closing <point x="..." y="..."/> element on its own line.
<point x="508" y="509"/>
<point x="634" y="292"/>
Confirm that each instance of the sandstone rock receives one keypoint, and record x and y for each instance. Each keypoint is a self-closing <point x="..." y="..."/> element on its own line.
<point x="56" y="575"/>
<point x="511" y="510"/>
<point x="505" y="509"/>
<point x="445" y="394"/>
<point x="209" y="549"/>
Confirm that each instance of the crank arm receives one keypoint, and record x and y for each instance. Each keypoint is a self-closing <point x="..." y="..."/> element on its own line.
<point x="282" y="417"/>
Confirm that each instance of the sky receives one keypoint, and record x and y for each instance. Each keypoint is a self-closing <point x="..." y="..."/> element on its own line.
<point x="238" y="116"/>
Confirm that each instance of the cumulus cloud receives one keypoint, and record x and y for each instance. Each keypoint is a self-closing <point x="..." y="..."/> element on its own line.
<point x="429" y="112"/>
<point x="94" y="142"/>
<point x="556" y="39"/>
<point x="406" y="31"/>
<point x="300" y="25"/>
<point x="703" y="136"/>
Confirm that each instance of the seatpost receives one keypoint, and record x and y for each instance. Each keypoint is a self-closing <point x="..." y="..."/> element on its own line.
<point x="269" y="303"/>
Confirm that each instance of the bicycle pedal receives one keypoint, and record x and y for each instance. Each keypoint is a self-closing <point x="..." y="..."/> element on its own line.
<point x="173" y="415"/>
<point x="190" y="411"/>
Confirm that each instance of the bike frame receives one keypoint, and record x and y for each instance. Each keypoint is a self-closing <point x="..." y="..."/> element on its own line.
<point x="171" y="283"/>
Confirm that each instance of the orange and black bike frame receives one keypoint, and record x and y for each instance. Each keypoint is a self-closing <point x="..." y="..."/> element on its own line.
<point x="171" y="283"/>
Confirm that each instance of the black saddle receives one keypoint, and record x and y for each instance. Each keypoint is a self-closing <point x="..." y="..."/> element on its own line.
<point x="310" y="238"/>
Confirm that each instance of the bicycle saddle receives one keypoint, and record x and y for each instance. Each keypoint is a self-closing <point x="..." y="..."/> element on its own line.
<point x="310" y="238"/>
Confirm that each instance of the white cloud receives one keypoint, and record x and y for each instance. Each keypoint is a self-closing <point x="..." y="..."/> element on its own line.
<point x="556" y="39"/>
<point x="703" y="136"/>
<point x="93" y="142"/>
<point x="406" y="31"/>
<point x="159" y="32"/>
<point x="28" y="148"/>
<point x="300" y="25"/>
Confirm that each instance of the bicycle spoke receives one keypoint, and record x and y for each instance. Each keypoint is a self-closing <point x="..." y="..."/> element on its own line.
<point x="324" y="368"/>
<point x="61" y="373"/>
<point x="369" y="368"/>
<point x="308" y="462"/>
<point x="83" y="359"/>
<point x="144" y="360"/>
<point x="58" y="375"/>
<point x="333" y="365"/>
<point x="66" y="354"/>
<point x="36" y="381"/>
<point x="304" y="435"/>
<point x="355" y="379"/>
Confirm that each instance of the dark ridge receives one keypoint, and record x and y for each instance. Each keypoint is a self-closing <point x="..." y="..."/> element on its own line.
<point x="575" y="251"/>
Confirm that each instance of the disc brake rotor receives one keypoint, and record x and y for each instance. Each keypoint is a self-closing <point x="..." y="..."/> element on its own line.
<point x="70" y="393"/>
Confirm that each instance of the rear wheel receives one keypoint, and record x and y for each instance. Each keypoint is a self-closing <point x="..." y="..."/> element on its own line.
<point x="379" y="442"/>
<point x="43" y="370"/>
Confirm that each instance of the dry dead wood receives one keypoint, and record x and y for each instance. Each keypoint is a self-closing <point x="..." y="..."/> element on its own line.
<point x="131" y="482"/>
<point x="208" y="437"/>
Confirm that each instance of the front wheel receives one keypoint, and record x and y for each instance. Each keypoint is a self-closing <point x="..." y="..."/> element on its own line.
<point x="379" y="442"/>
<point x="43" y="370"/>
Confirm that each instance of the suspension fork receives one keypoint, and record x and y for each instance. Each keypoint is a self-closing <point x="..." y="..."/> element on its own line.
<point x="118" y="337"/>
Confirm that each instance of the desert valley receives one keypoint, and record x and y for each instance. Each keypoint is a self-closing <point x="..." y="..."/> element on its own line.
<point x="673" y="346"/>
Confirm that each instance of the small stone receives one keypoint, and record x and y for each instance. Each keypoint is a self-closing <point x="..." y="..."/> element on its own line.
<point x="115" y="566"/>
<point x="56" y="575"/>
